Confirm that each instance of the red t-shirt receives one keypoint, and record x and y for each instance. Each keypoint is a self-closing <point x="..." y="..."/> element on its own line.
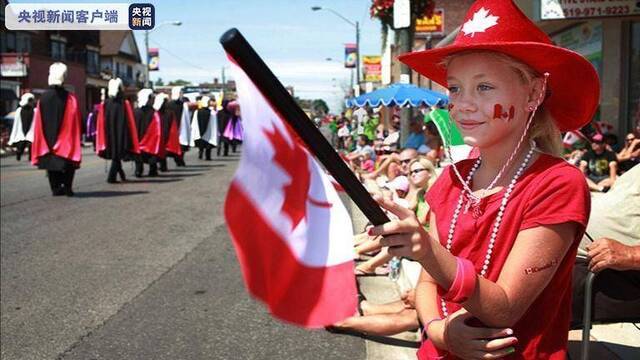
<point x="550" y="191"/>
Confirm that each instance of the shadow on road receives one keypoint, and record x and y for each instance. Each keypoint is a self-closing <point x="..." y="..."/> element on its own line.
<point x="387" y="340"/>
<point x="153" y="180"/>
<point x="167" y="175"/>
<point x="107" y="194"/>
<point x="197" y="168"/>
<point x="235" y="158"/>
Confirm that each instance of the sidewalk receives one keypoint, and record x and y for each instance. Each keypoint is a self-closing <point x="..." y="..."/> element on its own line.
<point x="611" y="341"/>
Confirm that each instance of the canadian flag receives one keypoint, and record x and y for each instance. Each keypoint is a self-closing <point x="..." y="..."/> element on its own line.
<point x="291" y="232"/>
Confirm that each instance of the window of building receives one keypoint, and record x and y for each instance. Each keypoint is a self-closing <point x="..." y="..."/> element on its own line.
<point x="23" y="42"/>
<point x="58" y="50"/>
<point x="129" y="72"/>
<point x="8" y="42"/>
<point x="93" y="62"/>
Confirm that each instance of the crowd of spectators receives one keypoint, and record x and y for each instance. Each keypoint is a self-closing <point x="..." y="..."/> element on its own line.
<point x="601" y="156"/>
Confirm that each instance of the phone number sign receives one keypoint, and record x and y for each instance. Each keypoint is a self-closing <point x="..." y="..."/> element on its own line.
<point x="572" y="9"/>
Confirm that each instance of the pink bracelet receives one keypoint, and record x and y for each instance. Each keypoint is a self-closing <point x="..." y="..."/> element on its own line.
<point x="464" y="283"/>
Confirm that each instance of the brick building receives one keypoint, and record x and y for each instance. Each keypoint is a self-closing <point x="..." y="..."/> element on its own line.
<point x="25" y="57"/>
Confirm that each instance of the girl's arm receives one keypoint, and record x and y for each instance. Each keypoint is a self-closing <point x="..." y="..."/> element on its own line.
<point x="499" y="304"/>
<point x="427" y="308"/>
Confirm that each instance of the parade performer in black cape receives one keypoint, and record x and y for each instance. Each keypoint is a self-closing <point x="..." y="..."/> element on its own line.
<point x="149" y="134"/>
<point x="233" y="132"/>
<point x="22" y="131"/>
<point x="204" y="129"/>
<point x="57" y="130"/>
<point x="116" y="134"/>
<point x="180" y="111"/>
<point x="169" y="127"/>
<point x="223" y="117"/>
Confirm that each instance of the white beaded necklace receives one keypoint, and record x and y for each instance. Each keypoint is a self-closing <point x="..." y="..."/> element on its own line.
<point x="496" y="225"/>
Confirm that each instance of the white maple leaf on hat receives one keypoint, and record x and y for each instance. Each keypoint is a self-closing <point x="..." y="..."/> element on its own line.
<point x="480" y="22"/>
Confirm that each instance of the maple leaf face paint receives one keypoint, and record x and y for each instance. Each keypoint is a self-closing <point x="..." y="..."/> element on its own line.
<point x="450" y="107"/>
<point x="498" y="112"/>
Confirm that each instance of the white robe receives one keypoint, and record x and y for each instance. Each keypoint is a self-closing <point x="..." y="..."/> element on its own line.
<point x="185" y="126"/>
<point x="17" y="132"/>
<point x="210" y="136"/>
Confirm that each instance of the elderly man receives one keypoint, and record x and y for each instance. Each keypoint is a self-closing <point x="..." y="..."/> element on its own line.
<point x="615" y="255"/>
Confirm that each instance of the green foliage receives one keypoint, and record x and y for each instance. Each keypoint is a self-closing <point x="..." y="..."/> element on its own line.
<point x="319" y="106"/>
<point x="179" y="82"/>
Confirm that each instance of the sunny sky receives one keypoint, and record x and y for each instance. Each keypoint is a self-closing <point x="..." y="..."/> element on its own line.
<point x="293" y="40"/>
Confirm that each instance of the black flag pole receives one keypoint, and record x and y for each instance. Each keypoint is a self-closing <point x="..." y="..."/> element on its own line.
<point x="243" y="54"/>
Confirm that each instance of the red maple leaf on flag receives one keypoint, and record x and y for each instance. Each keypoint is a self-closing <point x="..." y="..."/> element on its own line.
<point x="293" y="159"/>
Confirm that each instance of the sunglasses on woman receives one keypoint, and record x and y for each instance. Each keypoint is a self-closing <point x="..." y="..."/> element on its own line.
<point x="417" y="171"/>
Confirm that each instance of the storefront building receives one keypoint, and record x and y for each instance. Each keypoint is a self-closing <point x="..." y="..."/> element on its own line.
<point x="607" y="33"/>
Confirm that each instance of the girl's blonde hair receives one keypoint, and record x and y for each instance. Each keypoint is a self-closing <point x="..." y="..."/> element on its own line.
<point x="427" y="165"/>
<point x="543" y="129"/>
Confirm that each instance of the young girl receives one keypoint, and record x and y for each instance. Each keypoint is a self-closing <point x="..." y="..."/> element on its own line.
<point x="504" y="227"/>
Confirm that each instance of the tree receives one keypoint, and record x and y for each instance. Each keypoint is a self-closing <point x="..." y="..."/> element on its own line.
<point x="179" y="82"/>
<point x="319" y="106"/>
<point x="159" y="82"/>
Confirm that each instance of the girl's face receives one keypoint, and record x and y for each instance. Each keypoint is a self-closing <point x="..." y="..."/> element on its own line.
<point x="419" y="175"/>
<point x="488" y="99"/>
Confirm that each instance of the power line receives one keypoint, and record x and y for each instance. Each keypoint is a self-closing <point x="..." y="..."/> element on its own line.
<point x="180" y="58"/>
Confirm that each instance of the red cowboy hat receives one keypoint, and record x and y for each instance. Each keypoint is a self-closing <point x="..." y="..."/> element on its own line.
<point x="499" y="25"/>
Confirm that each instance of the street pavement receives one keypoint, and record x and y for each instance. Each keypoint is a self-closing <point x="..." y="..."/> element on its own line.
<point x="140" y="270"/>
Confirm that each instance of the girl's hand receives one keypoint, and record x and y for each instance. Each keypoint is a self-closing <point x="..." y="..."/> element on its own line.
<point x="469" y="342"/>
<point x="405" y="237"/>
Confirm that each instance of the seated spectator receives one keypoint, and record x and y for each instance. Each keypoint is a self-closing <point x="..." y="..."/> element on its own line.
<point x="433" y="142"/>
<point x="416" y="138"/>
<point x="422" y="174"/>
<point x="366" y="161"/>
<point x="611" y="142"/>
<point x="393" y="165"/>
<point x="629" y="156"/>
<point x="576" y="153"/>
<point x="363" y="145"/>
<point x="382" y="319"/>
<point x="615" y="255"/>
<point x="347" y="144"/>
<point x="397" y="190"/>
<point x="394" y="134"/>
<point x="599" y="165"/>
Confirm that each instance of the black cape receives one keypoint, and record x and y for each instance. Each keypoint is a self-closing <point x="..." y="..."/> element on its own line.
<point x="166" y="117"/>
<point x="143" y="116"/>
<point x="26" y="114"/>
<point x="52" y="106"/>
<point x="202" y="117"/>
<point x="119" y="140"/>
<point x="177" y="107"/>
<point x="223" y="116"/>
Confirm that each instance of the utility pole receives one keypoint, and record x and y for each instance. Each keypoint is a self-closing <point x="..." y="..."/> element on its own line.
<point x="402" y="23"/>
<point x="224" y="86"/>
<point x="358" y="53"/>
<point x="146" y="61"/>
<point x="146" y="49"/>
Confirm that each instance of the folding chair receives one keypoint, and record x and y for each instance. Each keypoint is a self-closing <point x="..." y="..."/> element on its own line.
<point x="586" y="317"/>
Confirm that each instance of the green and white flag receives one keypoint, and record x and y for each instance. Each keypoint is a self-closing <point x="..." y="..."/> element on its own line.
<point x="449" y="133"/>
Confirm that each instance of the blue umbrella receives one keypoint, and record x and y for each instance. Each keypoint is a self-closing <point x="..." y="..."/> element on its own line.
<point x="399" y="95"/>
